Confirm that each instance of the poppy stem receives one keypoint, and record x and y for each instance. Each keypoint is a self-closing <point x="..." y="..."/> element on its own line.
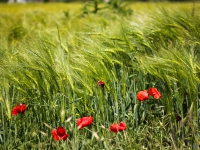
<point x="88" y="130"/>
<point x="21" y="131"/>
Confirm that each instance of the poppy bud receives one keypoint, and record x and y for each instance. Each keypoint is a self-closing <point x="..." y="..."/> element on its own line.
<point x="101" y="83"/>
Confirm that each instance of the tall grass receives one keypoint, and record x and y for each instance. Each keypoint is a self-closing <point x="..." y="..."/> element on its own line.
<point x="52" y="61"/>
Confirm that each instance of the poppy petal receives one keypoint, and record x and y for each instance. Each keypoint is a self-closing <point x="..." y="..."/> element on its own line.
<point x="118" y="127"/>
<point x="61" y="131"/>
<point x="83" y="124"/>
<point x="64" y="137"/>
<point x="122" y="124"/>
<point x="14" y="111"/>
<point x="23" y="108"/>
<point x="155" y="93"/>
<point x="84" y="121"/>
<point x="114" y="127"/>
<point x="19" y="109"/>
<point x="55" y="134"/>
<point x="142" y="96"/>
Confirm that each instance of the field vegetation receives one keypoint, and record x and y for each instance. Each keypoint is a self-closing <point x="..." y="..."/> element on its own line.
<point x="53" y="55"/>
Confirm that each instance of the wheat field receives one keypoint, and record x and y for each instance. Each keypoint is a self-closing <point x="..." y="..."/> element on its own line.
<point x="60" y="62"/>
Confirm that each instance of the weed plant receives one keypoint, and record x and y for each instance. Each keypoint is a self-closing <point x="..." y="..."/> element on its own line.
<point x="51" y="61"/>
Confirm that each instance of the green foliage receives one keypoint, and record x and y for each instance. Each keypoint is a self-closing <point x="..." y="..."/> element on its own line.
<point x="52" y="62"/>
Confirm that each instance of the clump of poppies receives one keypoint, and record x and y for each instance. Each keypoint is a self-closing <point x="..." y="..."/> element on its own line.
<point x="118" y="127"/>
<point x="144" y="95"/>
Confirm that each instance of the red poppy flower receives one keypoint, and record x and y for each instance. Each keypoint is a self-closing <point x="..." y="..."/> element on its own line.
<point x="154" y="92"/>
<point x="118" y="127"/>
<point x="142" y="95"/>
<point x="101" y="83"/>
<point x="84" y="121"/>
<point x="59" y="134"/>
<point x="19" y="109"/>
<point x="178" y="118"/>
